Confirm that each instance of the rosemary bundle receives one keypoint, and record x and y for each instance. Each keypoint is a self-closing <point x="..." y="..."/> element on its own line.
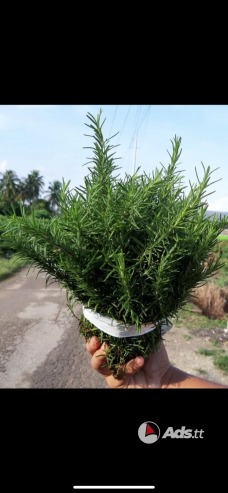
<point x="131" y="250"/>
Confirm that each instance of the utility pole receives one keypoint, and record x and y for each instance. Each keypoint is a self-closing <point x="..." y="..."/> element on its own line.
<point x="136" y="135"/>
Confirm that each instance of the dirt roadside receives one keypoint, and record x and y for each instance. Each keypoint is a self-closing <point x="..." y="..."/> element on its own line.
<point x="183" y="351"/>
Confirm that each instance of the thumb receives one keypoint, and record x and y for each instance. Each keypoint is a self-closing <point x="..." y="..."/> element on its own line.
<point x="132" y="366"/>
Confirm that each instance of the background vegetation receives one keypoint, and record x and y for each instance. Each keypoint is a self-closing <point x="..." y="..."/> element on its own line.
<point x="26" y="192"/>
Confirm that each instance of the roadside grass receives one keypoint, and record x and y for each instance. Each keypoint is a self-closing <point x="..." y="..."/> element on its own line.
<point x="9" y="267"/>
<point x="201" y="371"/>
<point x="220" y="360"/>
<point x="190" y="320"/>
<point x="209" y="352"/>
<point x="222" y="281"/>
<point x="215" y="343"/>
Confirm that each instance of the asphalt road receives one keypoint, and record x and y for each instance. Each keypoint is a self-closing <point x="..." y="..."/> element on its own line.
<point x="40" y="346"/>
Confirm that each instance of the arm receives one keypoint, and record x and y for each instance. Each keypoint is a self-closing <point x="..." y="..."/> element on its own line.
<point x="178" y="379"/>
<point x="154" y="373"/>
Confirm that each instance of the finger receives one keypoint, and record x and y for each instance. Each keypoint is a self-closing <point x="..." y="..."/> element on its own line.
<point x="99" y="359"/>
<point x="131" y="367"/>
<point x="93" y="345"/>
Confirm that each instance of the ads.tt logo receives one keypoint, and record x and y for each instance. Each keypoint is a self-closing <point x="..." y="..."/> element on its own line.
<point x="149" y="432"/>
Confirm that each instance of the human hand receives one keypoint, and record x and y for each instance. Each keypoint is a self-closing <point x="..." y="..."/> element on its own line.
<point x="137" y="373"/>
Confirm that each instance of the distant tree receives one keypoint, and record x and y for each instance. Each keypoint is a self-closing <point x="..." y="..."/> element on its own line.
<point x="53" y="193"/>
<point x="42" y="214"/>
<point x="33" y="186"/>
<point x="42" y="204"/>
<point x="9" y="185"/>
<point x="24" y="192"/>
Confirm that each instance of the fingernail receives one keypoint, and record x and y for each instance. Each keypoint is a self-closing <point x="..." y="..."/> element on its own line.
<point x="139" y="361"/>
<point x="93" y="341"/>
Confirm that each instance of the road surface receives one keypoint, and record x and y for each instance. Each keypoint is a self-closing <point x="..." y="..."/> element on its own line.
<point x="40" y="346"/>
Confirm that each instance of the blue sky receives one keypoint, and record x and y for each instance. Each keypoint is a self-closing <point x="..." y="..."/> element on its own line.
<point x="51" y="138"/>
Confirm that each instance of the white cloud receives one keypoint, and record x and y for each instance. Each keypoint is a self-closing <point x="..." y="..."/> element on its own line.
<point x="3" y="165"/>
<point x="219" y="205"/>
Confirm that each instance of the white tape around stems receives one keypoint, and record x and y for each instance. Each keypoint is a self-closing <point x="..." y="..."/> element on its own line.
<point x="114" y="329"/>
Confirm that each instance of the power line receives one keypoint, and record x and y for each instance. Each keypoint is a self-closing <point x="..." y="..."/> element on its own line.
<point x="129" y="158"/>
<point x="137" y="119"/>
<point x="137" y="112"/>
<point x="113" y="119"/>
<point x="144" y="116"/>
<point x="124" y="124"/>
<point x="146" y="125"/>
<point x="136" y="135"/>
<point x="134" y="126"/>
<point x="129" y="147"/>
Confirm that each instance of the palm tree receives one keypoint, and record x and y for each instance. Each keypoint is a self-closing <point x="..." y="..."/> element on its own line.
<point x="9" y="185"/>
<point x="31" y="187"/>
<point x="24" y="192"/>
<point x="53" y="192"/>
<point x="38" y="183"/>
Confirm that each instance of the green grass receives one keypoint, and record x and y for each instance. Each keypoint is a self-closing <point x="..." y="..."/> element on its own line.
<point x="187" y="336"/>
<point x="200" y="370"/>
<point x="223" y="238"/>
<point x="221" y="361"/>
<point x="225" y="253"/>
<point x="8" y="267"/>
<point x="222" y="281"/>
<point x="207" y="352"/>
<point x="215" y="343"/>
<point x="191" y="320"/>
